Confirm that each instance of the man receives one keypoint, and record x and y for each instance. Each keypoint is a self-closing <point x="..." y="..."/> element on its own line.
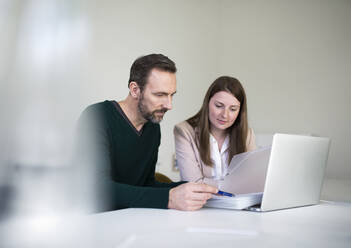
<point x="120" y="140"/>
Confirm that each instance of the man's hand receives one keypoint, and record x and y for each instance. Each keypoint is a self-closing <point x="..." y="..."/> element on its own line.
<point x="190" y="196"/>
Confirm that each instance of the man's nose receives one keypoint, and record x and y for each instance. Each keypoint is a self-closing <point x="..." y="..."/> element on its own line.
<point x="168" y="103"/>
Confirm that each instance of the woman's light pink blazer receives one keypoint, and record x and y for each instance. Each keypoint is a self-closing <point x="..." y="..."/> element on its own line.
<point x="188" y="159"/>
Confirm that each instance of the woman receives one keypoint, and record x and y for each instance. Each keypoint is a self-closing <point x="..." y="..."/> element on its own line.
<point x="206" y="142"/>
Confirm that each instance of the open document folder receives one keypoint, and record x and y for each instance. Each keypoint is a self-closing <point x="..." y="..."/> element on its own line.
<point x="245" y="179"/>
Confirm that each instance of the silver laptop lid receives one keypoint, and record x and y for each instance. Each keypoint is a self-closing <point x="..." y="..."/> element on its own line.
<point x="295" y="171"/>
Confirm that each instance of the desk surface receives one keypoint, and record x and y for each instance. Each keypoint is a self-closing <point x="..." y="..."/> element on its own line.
<point x="325" y="225"/>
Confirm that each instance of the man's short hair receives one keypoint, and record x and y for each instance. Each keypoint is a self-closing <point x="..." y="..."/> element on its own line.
<point x="142" y="67"/>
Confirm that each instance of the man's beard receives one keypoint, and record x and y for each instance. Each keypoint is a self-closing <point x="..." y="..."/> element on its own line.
<point x="147" y="115"/>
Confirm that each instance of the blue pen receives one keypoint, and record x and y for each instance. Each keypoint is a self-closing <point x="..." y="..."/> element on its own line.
<point x="225" y="193"/>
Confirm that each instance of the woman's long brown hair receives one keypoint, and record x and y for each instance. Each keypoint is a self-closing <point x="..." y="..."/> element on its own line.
<point x="237" y="132"/>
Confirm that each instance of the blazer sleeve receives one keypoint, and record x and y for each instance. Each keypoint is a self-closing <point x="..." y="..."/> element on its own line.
<point x="251" y="140"/>
<point x="187" y="157"/>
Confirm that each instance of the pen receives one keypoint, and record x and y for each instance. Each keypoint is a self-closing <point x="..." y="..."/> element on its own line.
<point x="225" y="193"/>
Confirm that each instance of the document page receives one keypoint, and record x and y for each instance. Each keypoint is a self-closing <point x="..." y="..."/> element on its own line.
<point x="247" y="172"/>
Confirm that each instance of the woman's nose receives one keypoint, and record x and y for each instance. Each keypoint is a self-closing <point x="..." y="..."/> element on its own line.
<point x="224" y="113"/>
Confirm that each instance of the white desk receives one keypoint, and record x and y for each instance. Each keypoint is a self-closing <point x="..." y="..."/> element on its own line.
<point x="324" y="225"/>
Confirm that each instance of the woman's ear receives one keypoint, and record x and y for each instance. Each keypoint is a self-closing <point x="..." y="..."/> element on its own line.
<point x="134" y="90"/>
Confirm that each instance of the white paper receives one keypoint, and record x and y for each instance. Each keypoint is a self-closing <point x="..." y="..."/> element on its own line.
<point x="247" y="172"/>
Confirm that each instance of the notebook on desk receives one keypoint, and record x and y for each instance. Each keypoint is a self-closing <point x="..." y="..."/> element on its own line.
<point x="293" y="177"/>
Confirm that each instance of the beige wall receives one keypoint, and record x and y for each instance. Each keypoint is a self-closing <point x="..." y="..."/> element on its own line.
<point x="291" y="56"/>
<point x="9" y="15"/>
<point x="294" y="59"/>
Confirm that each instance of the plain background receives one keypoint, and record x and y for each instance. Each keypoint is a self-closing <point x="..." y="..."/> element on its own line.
<point x="292" y="57"/>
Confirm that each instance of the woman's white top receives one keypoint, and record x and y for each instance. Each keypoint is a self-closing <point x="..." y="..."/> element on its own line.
<point x="219" y="158"/>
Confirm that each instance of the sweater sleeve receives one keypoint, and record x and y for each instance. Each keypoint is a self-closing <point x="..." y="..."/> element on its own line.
<point x="151" y="181"/>
<point x="189" y="167"/>
<point x="93" y="152"/>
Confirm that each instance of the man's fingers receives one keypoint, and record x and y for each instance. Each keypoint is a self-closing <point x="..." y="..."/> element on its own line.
<point x="199" y="196"/>
<point x="193" y="205"/>
<point x="201" y="187"/>
<point x="190" y="196"/>
<point x="193" y="208"/>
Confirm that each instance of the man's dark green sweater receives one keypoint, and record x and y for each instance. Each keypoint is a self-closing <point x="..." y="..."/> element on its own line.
<point x="121" y="158"/>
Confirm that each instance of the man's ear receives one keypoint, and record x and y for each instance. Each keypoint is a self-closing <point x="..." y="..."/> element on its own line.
<point x="134" y="90"/>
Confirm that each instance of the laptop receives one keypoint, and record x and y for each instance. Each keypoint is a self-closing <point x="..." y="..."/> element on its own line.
<point x="295" y="172"/>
